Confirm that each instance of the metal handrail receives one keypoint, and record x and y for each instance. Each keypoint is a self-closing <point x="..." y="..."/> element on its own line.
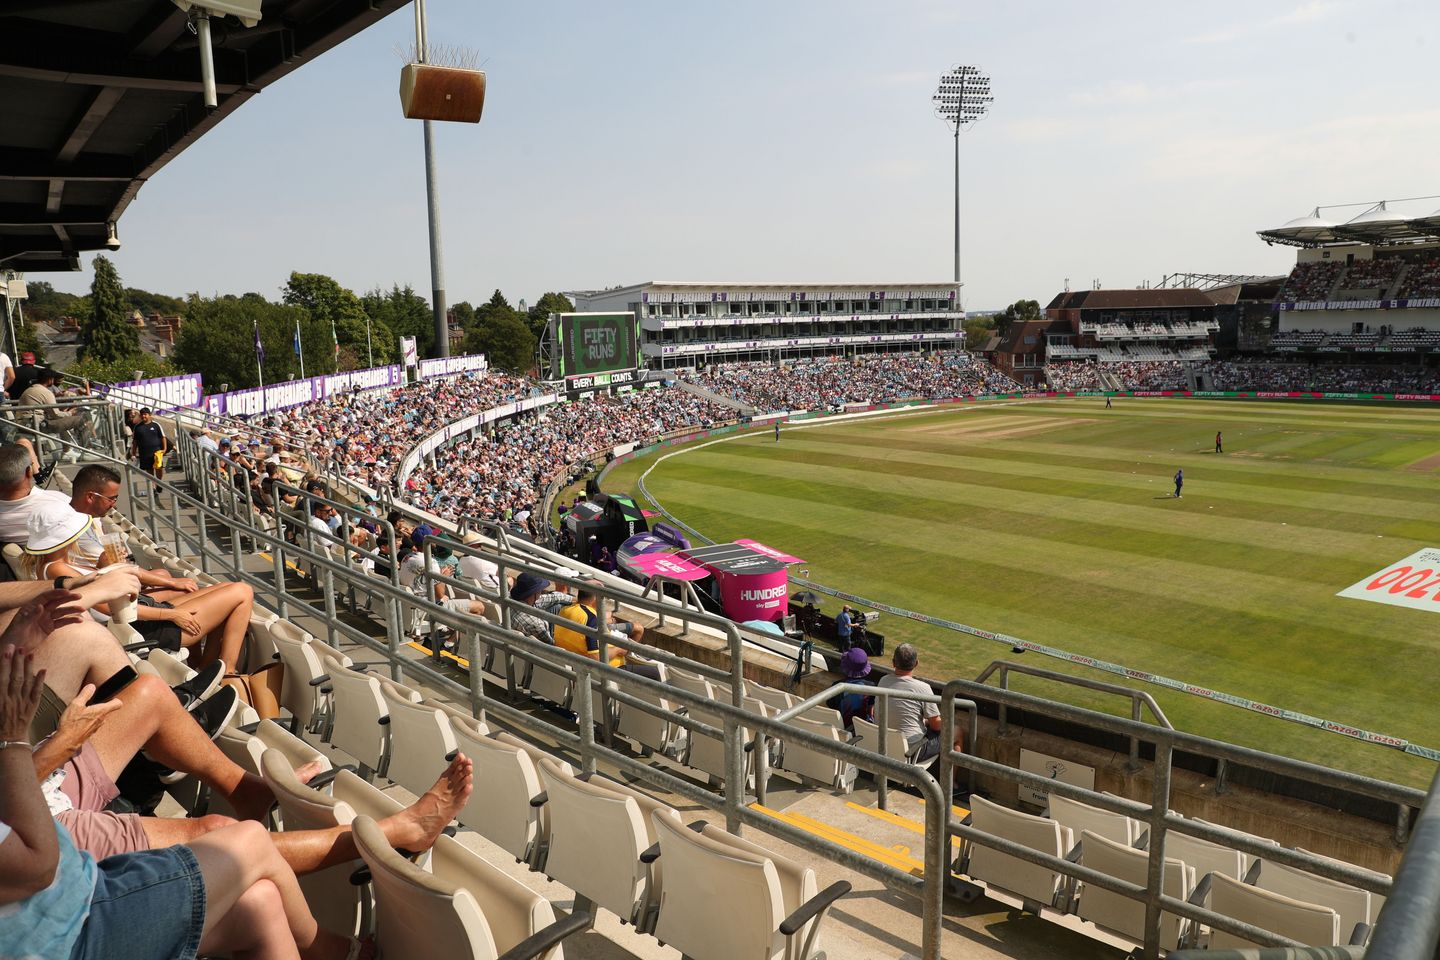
<point x="1137" y="698"/>
<point x="1157" y="813"/>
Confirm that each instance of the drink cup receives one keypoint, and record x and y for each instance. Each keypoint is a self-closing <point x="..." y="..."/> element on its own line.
<point x="123" y="609"/>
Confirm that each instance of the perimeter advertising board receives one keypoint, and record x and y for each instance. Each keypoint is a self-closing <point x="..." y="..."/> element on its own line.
<point x="592" y="344"/>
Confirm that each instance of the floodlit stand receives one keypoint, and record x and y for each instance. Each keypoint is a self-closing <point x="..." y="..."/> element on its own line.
<point x="961" y="100"/>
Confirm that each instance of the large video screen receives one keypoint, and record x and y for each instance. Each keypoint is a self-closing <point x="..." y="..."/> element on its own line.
<point x="592" y="343"/>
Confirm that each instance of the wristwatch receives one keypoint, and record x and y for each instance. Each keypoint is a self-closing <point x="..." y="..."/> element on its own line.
<point x="59" y="581"/>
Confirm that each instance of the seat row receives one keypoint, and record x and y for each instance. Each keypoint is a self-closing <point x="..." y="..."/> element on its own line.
<point x="1289" y="902"/>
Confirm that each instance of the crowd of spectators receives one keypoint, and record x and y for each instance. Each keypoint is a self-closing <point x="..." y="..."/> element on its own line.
<point x="829" y="383"/>
<point x="1310" y="281"/>
<point x="1228" y="375"/>
<point x="502" y="477"/>
<point x="1132" y="375"/>
<point x="368" y="434"/>
<point x="1374" y="276"/>
<point x="1423" y="280"/>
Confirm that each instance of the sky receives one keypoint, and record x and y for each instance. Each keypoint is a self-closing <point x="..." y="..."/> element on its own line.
<point x="795" y="140"/>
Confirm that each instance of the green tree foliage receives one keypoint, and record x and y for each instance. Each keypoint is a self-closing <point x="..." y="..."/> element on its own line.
<point x="150" y="303"/>
<point x="463" y="314"/>
<point x="106" y="334"/>
<point x="326" y="302"/>
<point x="401" y="313"/>
<point x="48" y="305"/>
<point x="546" y="305"/>
<point x="502" y="335"/>
<point x="977" y="331"/>
<point x="1018" y="311"/>
<point x="217" y="340"/>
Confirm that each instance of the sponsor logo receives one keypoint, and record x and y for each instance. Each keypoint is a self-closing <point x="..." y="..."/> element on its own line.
<point x="768" y="593"/>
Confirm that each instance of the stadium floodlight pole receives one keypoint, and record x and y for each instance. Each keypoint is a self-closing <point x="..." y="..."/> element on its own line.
<point x="432" y="201"/>
<point x="961" y="100"/>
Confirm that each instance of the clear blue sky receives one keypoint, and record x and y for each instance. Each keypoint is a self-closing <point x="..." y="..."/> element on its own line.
<point x="794" y="140"/>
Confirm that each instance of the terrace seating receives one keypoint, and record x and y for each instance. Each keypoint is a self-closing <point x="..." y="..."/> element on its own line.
<point x="506" y="813"/>
<point x="1120" y="914"/>
<point x="361" y="715"/>
<point x="1306" y="923"/>
<point x="1351" y="903"/>
<point x="460" y="909"/>
<point x="1010" y="879"/>
<point x="425" y="731"/>
<point x="772" y="907"/>
<point x="1080" y="818"/>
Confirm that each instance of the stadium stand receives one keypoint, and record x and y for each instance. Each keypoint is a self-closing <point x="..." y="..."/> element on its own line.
<point x="829" y="383"/>
<point x="1311" y="281"/>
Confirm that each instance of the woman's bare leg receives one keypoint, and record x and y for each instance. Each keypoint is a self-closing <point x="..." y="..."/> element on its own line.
<point x="254" y="927"/>
<point x="224" y="615"/>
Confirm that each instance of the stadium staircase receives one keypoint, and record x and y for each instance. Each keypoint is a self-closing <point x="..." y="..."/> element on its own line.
<point x="729" y="741"/>
<point x="705" y="393"/>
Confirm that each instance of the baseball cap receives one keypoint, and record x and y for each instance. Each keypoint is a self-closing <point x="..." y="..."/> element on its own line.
<point x="53" y="524"/>
<point x="27" y="357"/>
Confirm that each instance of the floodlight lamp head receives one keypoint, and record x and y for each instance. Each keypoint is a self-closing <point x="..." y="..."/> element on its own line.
<point x="963" y="96"/>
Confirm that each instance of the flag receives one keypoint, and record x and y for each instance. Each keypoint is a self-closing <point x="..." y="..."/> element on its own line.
<point x="336" y="337"/>
<point x="259" y="347"/>
<point x="297" y="339"/>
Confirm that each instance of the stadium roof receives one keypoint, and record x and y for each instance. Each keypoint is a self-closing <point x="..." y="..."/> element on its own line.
<point x="1144" y="298"/>
<point x="1375" y="225"/>
<point x="100" y="94"/>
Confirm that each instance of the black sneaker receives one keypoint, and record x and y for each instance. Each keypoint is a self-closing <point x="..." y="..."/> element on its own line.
<point x="42" y="477"/>
<point x="193" y="692"/>
<point x="214" y="714"/>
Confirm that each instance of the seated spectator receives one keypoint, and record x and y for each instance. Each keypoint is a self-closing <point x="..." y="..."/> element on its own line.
<point x="582" y="611"/>
<point x="18" y="493"/>
<point x="214" y="618"/>
<point x="53" y="419"/>
<point x="854" y="668"/>
<point x="227" y="892"/>
<point x="527" y="589"/>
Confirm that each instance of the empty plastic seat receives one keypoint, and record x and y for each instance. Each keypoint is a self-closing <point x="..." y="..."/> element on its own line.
<point x="725" y="898"/>
<point x="500" y="809"/>
<point x="1004" y="873"/>
<point x="1204" y="856"/>
<point x="359" y="715"/>
<point x="420" y="738"/>
<point x="300" y="691"/>
<point x="1376" y="900"/>
<point x="1079" y="817"/>
<point x="1307" y="923"/>
<point x="706" y="753"/>
<point x="1118" y="913"/>
<point x="337" y="903"/>
<point x="1351" y="903"/>
<point x="776" y="700"/>
<point x="814" y="765"/>
<point x="650" y="730"/>
<point x="460" y="909"/>
<point x="596" y="839"/>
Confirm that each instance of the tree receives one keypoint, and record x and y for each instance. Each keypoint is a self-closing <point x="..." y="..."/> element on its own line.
<point x="463" y="314"/>
<point x="107" y="334"/>
<point x="330" y="307"/>
<point x="400" y="313"/>
<point x="977" y="331"/>
<point x="1019" y="311"/>
<point x="494" y="309"/>
<point x="150" y="303"/>
<point x="217" y="340"/>
<point x="120" y="371"/>
<point x="505" y="340"/>
<point x="546" y="305"/>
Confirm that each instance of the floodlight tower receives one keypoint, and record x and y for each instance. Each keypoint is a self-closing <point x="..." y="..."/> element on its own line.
<point x="961" y="100"/>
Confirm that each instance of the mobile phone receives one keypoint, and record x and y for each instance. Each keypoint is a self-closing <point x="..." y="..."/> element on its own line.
<point x="107" y="690"/>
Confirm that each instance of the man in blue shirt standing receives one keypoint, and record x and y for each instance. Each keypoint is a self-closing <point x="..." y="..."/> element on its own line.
<point x="842" y="628"/>
<point x="1179" y="482"/>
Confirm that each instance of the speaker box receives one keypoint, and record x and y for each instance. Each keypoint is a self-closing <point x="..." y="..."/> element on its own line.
<point x="430" y="92"/>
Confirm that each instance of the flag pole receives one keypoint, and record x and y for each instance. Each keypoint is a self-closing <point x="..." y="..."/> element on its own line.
<point x="259" y="355"/>
<point x="299" y="350"/>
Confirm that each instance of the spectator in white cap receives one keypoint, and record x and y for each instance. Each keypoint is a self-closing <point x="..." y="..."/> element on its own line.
<point x="218" y="616"/>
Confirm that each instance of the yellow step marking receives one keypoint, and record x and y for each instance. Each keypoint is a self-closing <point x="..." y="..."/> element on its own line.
<point x="444" y="654"/>
<point x="895" y="857"/>
<point x="960" y="812"/>
<point x="896" y="820"/>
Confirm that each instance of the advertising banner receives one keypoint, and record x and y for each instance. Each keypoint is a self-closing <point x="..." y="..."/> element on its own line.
<point x="293" y="393"/>
<point x="161" y="393"/>
<point x="409" y="355"/>
<point x="450" y="366"/>
<point x="1413" y="582"/>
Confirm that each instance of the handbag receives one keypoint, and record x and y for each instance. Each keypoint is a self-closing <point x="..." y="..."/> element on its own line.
<point x="260" y="688"/>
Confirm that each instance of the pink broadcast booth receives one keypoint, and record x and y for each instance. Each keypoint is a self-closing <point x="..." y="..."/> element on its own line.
<point x="745" y="580"/>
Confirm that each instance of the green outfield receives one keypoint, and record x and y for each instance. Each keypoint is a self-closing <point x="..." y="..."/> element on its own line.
<point x="1054" y="521"/>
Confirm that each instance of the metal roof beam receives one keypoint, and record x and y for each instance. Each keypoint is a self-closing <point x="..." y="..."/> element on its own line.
<point x="30" y="215"/>
<point x="41" y="165"/>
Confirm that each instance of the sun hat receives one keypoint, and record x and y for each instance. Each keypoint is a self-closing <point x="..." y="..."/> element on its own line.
<point x="471" y="538"/>
<point x="52" y="525"/>
<point x="528" y="585"/>
<point x="855" y="664"/>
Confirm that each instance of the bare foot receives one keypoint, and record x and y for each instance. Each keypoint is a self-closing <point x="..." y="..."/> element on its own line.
<point x="416" y="827"/>
<point x="309" y="771"/>
<point x="252" y="798"/>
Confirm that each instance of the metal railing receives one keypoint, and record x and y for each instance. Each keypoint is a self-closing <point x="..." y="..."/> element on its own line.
<point x="1138" y="698"/>
<point x="1157" y="814"/>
